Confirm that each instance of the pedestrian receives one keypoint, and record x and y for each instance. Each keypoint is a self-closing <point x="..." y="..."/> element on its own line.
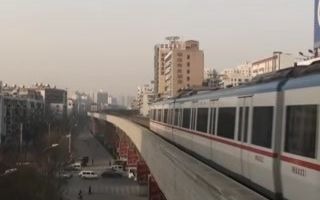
<point x="92" y="161"/>
<point x="80" y="194"/>
<point x="89" y="191"/>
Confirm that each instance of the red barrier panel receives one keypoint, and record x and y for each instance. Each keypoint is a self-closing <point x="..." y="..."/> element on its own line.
<point x="154" y="190"/>
<point x="133" y="156"/>
<point x="142" y="172"/>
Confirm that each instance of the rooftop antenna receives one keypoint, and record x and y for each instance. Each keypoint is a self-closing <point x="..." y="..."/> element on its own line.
<point x="172" y="39"/>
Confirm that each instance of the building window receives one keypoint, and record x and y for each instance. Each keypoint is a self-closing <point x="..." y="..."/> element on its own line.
<point x="226" y="122"/>
<point x="262" y="126"/>
<point x="186" y="118"/>
<point x="179" y="60"/>
<point x="188" y="56"/>
<point x="212" y="120"/>
<point x="179" y="54"/>
<point x="180" y="81"/>
<point x="188" y="78"/>
<point x="188" y="64"/>
<point x="301" y="130"/>
<point x="179" y="71"/>
<point x="188" y="71"/>
<point x="202" y="119"/>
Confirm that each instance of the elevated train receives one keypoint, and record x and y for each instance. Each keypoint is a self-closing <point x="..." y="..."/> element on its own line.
<point x="264" y="134"/>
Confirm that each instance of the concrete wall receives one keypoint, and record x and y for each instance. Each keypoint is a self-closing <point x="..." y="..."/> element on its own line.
<point x="179" y="175"/>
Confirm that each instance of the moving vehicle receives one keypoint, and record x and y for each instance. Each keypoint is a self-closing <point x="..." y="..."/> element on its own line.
<point x="264" y="134"/>
<point x="110" y="173"/>
<point x="88" y="175"/>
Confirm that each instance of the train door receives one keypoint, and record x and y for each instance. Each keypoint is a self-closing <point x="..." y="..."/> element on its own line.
<point x="212" y="125"/>
<point x="244" y="105"/>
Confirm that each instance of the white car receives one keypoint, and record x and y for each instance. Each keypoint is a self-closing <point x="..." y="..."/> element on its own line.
<point x="76" y="166"/>
<point x="117" y="168"/>
<point x="88" y="174"/>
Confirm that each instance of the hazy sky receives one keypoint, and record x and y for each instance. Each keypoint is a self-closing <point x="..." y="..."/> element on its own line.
<point x="108" y="44"/>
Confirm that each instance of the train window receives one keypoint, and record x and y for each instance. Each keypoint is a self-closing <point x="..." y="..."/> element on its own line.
<point x="246" y="121"/>
<point x="165" y="115"/>
<point x="169" y="116"/>
<point x="212" y="120"/>
<point x="301" y="128"/>
<point x="240" y="123"/>
<point x="159" y="115"/>
<point x="154" y="114"/>
<point x="176" y="117"/>
<point x="202" y="119"/>
<point x="226" y="122"/>
<point x="262" y="126"/>
<point x="186" y="118"/>
<point x="193" y="118"/>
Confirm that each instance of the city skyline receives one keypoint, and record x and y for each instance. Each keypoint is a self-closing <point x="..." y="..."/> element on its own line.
<point x="83" y="45"/>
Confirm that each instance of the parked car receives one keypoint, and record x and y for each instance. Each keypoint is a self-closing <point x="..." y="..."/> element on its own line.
<point x="9" y="171"/>
<point x="110" y="173"/>
<point x="117" y="167"/>
<point x="88" y="175"/>
<point x="64" y="175"/>
<point x="75" y="166"/>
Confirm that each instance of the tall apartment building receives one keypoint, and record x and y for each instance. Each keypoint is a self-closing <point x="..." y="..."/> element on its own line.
<point x="160" y="52"/>
<point x="184" y="67"/>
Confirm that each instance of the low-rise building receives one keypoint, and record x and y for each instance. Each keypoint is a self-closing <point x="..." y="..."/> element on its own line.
<point x="145" y="96"/>
<point x="278" y="61"/>
<point x="235" y="76"/>
<point x="211" y="78"/>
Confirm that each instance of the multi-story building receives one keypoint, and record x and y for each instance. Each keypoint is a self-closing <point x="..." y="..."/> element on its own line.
<point x="55" y="101"/>
<point x="19" y="108"/>
<point x="235" y="76"/>
<point x="82" y="102"/>
<point x="160" y="52"/>
<point x="211" y="78"/>
<point x="184" y="68"/>
<point x="278" y="61"/>
<point x="102" y="100"/>
<point x="145" y="96"/>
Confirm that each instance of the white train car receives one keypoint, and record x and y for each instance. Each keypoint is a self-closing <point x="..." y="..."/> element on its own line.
<point x="300" y="156"/>
<point x="254" y="133"/>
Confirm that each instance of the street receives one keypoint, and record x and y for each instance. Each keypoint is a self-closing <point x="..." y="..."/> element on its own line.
<point x="102" y="188"/>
